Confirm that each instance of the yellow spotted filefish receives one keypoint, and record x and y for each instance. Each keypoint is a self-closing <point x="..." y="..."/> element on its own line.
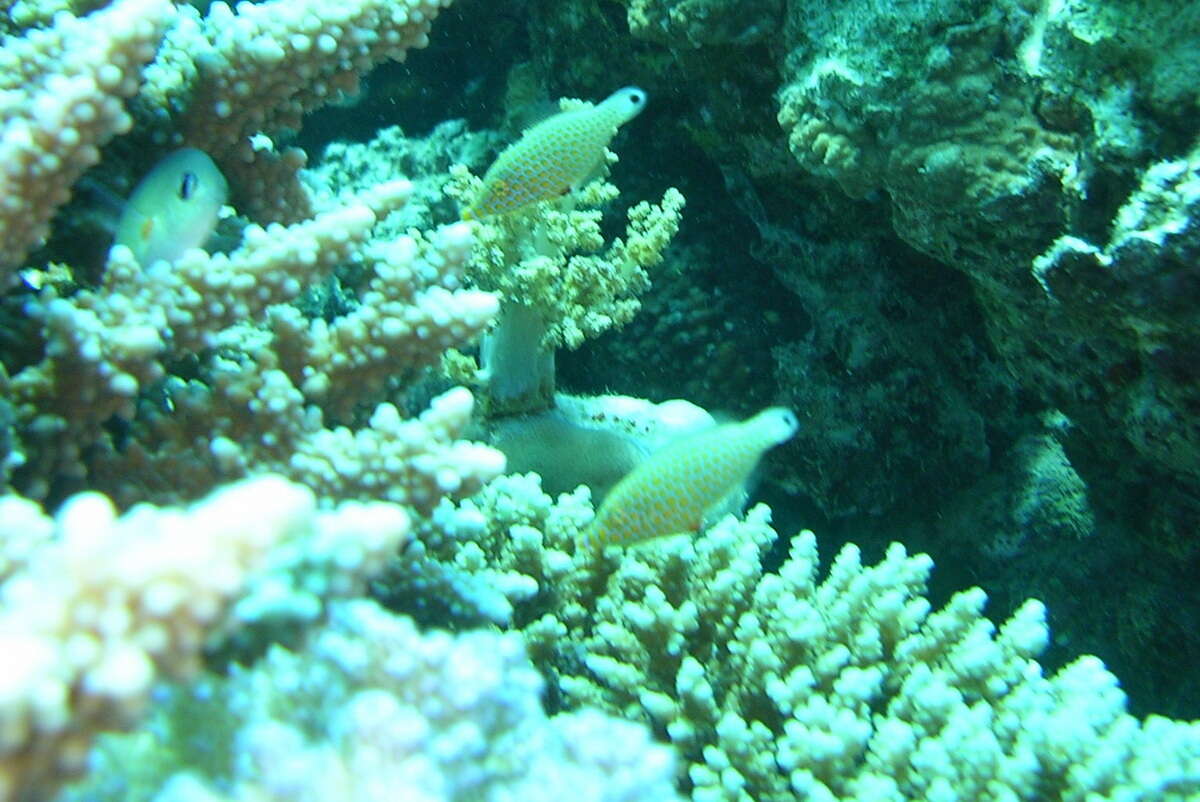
<point x="173" y="208"/>
<point x="555" y="156"/>
<point x="672" y="491"/>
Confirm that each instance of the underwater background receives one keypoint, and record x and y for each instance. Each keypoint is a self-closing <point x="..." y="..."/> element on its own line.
<point x="303" y="432"/>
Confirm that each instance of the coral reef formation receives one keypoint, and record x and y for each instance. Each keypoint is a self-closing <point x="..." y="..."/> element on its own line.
<point x="248" y="518"/>
<point x="914" y="175"/>
<point x="773" y="685"/>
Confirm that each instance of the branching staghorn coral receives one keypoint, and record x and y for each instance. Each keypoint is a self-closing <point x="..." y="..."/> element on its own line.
<point x="259" y="401"/>
<point x="110" y="342"/>
<point x="554" y="261"/>
<point x="252" y="73"/>
<point x="777" y="685"/>
<point x="557" y="287"/>
<point x="219" y="83"/>
<point x="161" y="382"/>
<point x="112" y="352"/>
<point x="61" y="99"/>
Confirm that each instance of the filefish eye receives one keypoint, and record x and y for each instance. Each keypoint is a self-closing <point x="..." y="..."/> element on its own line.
<point x="187" y="185"/>
<point x="636" y="98"/>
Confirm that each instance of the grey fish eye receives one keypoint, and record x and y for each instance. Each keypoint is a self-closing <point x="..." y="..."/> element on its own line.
<point x="187" y="185"/>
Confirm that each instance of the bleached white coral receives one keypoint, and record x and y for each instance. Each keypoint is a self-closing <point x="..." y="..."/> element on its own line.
<point x="94" y="615"/>
<point x="372" y="709"/>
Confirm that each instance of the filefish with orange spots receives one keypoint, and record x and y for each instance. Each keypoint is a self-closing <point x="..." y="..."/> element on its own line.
<point x="672" y="491"/>
<point x="173" y="208"/>
<point x="555" y="156"/>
